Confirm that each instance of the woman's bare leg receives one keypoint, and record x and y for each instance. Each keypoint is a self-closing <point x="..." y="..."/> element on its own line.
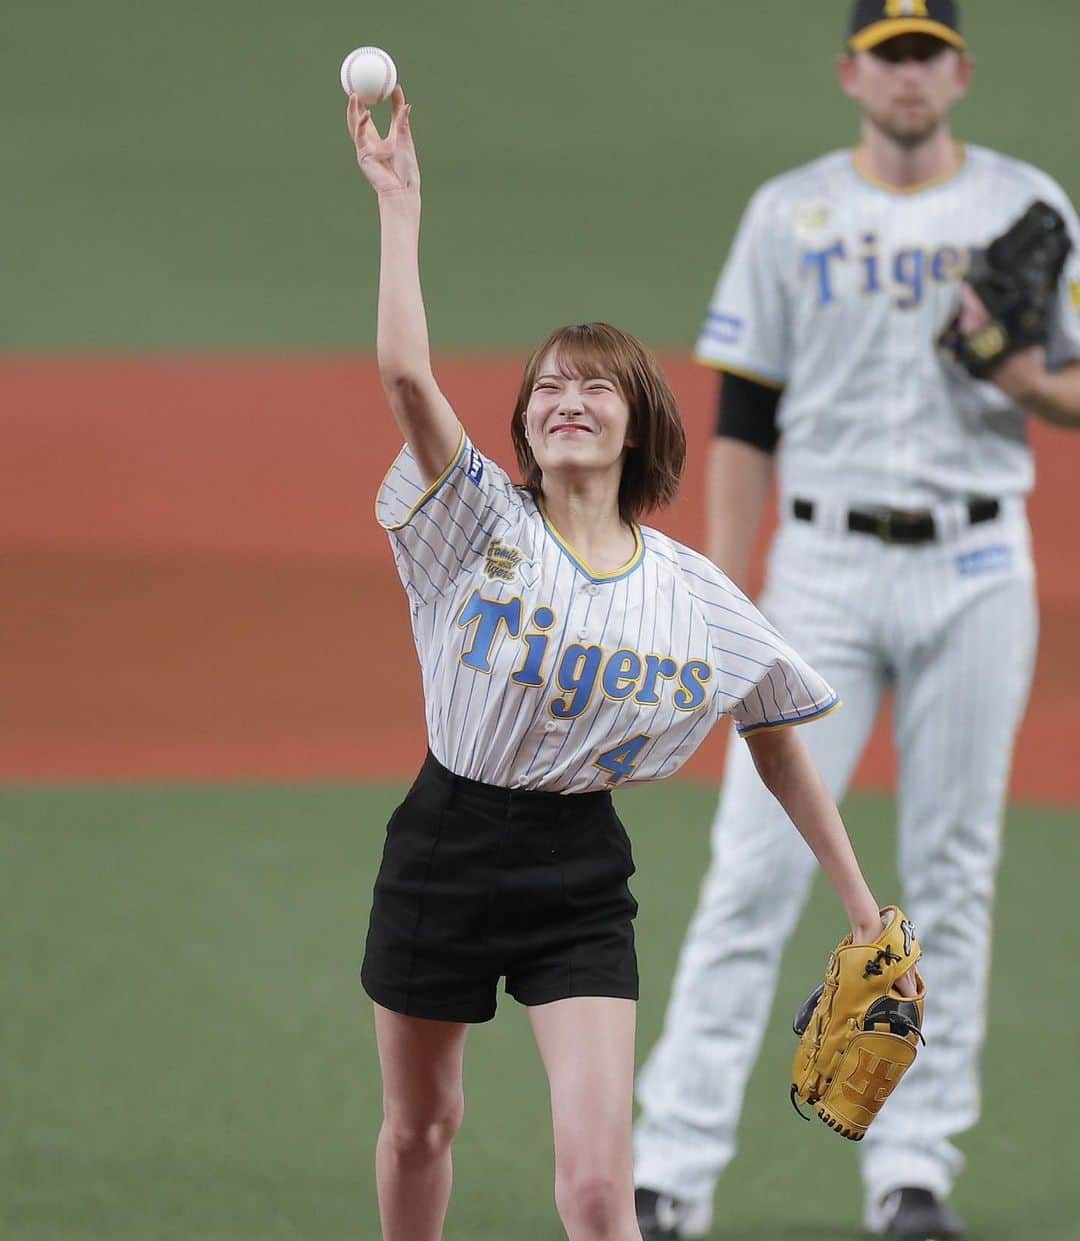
<point x="423" y="1104"/>
<point x="587" y="1045"/>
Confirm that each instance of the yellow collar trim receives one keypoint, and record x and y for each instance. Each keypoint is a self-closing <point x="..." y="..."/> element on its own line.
<point x="910" y="189"/>
<point x="582" y="563"/>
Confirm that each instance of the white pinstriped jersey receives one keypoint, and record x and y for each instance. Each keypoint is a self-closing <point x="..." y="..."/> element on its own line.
<point x="539" y="673"/>
<point x="836" y="289"/>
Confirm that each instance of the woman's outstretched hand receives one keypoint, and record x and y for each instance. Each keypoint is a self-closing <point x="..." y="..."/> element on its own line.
<point x="389" y="163"/>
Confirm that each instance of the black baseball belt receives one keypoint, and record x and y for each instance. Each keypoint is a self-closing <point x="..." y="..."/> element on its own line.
<point x="901" y="525"/>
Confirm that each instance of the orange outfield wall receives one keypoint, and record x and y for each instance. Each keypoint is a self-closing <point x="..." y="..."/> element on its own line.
<point x="193" y="585"/>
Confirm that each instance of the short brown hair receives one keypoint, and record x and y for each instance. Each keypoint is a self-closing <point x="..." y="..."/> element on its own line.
<point x="653" y="467"/>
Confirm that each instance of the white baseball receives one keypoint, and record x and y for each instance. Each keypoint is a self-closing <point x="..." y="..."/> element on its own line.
<point x="369" y="74"/>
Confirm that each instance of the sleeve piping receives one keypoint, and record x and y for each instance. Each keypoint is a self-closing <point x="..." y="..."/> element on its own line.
<point x="767" y="726"/>
<point x="426" y="495"/>
<point x="758" y="377"/>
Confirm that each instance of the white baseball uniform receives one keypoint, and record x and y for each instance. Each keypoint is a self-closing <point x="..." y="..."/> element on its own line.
<point x="539" y="673"/>
<point x="835" y="290"/>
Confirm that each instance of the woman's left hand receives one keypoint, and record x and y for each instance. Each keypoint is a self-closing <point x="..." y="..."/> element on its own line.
<point x="866" y="933"/>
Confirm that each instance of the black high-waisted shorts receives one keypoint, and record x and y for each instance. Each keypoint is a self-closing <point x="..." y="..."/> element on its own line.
<point x="479" y="883"/>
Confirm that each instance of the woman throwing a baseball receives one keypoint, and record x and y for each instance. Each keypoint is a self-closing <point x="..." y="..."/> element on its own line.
<point x="565" y="650"/>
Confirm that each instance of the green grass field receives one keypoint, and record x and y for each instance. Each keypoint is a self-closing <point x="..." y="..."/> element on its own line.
<point x="188" y="1053"/>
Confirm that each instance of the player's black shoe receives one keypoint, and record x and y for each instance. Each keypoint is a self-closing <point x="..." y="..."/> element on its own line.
<point x="663" y="1218"/>
<point x="912" y="1214"/>
<point x="654" y="1215"/>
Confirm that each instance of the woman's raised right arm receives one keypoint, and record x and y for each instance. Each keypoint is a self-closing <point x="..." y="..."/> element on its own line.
<point x="424" y="415"/>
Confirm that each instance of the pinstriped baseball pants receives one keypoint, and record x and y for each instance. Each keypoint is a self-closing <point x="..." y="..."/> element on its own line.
<point x="951" y="628"/>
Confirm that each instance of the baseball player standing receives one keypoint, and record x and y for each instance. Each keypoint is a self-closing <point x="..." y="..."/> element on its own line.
<point x="902" y="560"/>
<point x="565" y="650"/>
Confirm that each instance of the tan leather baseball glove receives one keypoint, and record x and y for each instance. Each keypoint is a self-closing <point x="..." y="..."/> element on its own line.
<point x="858" y="1034"/>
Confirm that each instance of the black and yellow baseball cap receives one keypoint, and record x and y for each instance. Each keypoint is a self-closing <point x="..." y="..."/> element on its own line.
<point x="874" y="21"/>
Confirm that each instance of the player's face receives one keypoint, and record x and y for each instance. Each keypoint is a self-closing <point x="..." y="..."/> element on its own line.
<point x="575" y="421"/>
<point x="907" y="86"/>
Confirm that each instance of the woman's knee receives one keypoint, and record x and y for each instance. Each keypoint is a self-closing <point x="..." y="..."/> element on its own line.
<point x="422" y="1133"/>
<point x="588" y="1200"/>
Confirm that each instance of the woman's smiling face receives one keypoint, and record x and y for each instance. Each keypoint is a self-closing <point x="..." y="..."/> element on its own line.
<point x="575" y="422"/>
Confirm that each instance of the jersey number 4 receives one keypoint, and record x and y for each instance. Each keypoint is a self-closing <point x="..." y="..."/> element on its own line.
<point x="621" y="760"/>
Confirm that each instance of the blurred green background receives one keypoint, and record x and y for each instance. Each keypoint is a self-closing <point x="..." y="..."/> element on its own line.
<point x="187" y="1053"/>
<point x="179" y="176"/>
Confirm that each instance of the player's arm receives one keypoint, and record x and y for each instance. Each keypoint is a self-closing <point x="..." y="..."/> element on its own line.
<point x="788" y="772"/>
<point x="747" y="337"/>
<point x="739" y="471"/>
<point x="1050" y="394"/>
<point x="425" y="417"/>
<point x="1053" y="396"/>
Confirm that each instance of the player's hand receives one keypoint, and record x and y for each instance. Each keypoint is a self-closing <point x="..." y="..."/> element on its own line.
<point x="973" y="314"/>
<point x="1020" y="374"/>
<point x="389" y="163"/>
